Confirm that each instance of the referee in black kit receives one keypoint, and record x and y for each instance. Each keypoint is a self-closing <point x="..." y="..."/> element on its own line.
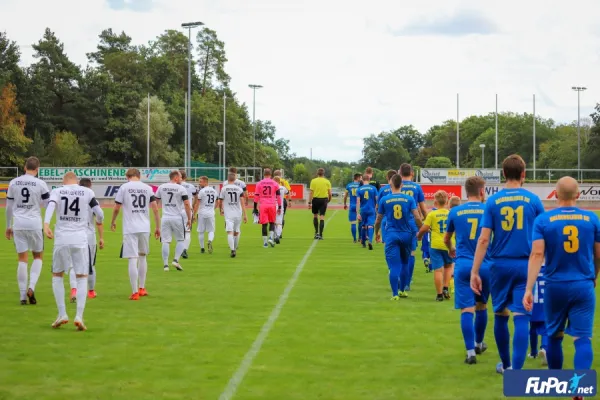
<point x="320" y="195"/>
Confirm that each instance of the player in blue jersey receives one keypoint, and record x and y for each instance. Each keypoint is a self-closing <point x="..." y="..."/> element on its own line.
<point x="537" y="326"/>
<point x="464" y="221"/>
<point x="384" y="191"/>
<point x="412" y="189"/>
<point x="508" y="216"/>
<point x="569" y="239"/>
<point x="397" y="208"/>
<point x="366" y="204"/>
<point x="351" y="189"/>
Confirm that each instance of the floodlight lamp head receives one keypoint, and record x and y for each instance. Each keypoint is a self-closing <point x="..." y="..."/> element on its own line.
<point x="192" y="24"/>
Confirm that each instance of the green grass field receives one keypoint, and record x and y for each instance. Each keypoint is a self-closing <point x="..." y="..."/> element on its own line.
<point x="338" y="336"/>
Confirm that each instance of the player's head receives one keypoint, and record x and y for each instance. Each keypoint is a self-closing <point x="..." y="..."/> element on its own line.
<point x="183" y="174"/>
<point x="389" y="175"/>
<point x="231" y="177"/>
<point x="70" y="178"/>
<point x="513" y="167"/>
<point x="277" y="172"/>
<point x="277" y="179"/>
<point x="454" y="201"/>
<point x="441" y="198"/>
<point x="406" y="171"/>
<point x="365" y="177"/>
<point x="85" y="182"/>
<point x="368" y="173"/>
<point x="475" y="188"/>
<point x="321" y="172"/>
<point x="567" y="189"/>
<point x="267" y="173"/>
<point x="203" y="181"/>
<point x="357" y="177"/>
<point x="32" y="165"/>
<point x="233" y="170"/>
<point x="175" y="176"/>
<point x="396" y="183"/>
<point x="133" y="174"/>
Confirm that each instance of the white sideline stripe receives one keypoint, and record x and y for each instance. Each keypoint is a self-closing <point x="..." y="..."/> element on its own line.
<point x="240" y="373"/>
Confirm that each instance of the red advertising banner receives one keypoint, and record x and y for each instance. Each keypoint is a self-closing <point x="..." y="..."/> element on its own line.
<point x="297" y="190"/>
<point x="452" y="190"/>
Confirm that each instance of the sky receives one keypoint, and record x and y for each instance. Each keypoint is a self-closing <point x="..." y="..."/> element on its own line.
<point x="336" y="71"/>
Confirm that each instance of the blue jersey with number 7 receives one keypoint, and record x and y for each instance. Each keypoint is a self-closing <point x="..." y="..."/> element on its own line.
<point x="465" y="221"/>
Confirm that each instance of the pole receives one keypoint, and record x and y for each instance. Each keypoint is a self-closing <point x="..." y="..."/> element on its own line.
<point x="185" y="155"/>
<point x="189" y="103"/>
<point x="224" y="133"/>
<point x="254" y="127"/>
<point x="220" y="170"/>
<point x="578" y="136"/>
<point x="482" y="158"/>
<point x="534" y="152"/>
<point x="457" y="135"/>
<point x="496" y="163"/>
<point x="148" y="143"/>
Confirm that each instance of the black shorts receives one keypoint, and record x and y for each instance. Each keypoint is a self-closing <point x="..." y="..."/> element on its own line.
<point x="284" y="205"/>
<point x="319" y="206"/>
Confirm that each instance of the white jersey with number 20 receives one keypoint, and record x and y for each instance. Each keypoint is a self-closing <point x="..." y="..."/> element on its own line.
<point x="135" y="198"/>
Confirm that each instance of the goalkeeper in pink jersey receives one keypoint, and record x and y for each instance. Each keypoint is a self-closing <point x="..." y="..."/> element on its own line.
<point x="268" y="196"/>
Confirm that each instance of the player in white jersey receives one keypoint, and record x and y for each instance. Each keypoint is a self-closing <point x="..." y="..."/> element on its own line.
<point x="71" y="203"/>
<point x="175" y="202"/>
<point x="92" y="247"/>
<point x="231" y="204"/>
<point x="238" y="182"/>
<point x="204" y="208"/>
<point x="24" y="199"/>
<point x="136" y="198"/>
<point x="192" y="192"/>
<point x="279" y="219"/>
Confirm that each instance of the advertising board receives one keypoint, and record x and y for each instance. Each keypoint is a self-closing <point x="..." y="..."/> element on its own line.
<point x="116" y="174"/>
<point x="458" y="176"/>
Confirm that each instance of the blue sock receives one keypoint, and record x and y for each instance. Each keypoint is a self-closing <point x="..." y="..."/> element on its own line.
<point x="481" y="319"/>
<point x="363" y="233"/>
<point x="533" y="338"/>
<point x="544" y="342"/>
<point x="403" y="277"/>
<point x="370" y="234"/>
<point x="395" y="268"/>
<point x="411" y="268"/>
<point x="554" y="353"/>
<point x="468" y="331"/>
<point x="520" y="340"/>
<point x="502" y="339"/>
<point x="584" y="355"/>
<point x="353" y="230"/>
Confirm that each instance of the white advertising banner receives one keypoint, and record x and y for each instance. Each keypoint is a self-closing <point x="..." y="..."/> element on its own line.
<point x="105" y="191"/>
<point x="547" y="192"/>
<point x="458" y="176"/>
<point x="116" y="174"/>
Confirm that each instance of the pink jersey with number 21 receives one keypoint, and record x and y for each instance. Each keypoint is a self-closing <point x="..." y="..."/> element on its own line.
<point x="266" y="192"/>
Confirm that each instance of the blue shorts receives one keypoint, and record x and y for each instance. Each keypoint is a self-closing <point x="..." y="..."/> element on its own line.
<point x="368" y="218"/>
<point x="574" y="302"/>
<point x="508" y="279"/>
<point x="439" y="258"/>
<point x="397" y="247"/>
<point x="425" y="243"/>
<point x="352" y="214"/>
<point x="538" y="327"/>
<point x="464" y="297"/>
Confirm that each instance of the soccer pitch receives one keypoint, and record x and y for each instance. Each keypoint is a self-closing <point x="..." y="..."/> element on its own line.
<point x="338" y="336"/>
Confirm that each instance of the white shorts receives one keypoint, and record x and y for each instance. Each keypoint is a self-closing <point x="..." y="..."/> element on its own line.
<point x="172" y="229"/>
<point x="135" y="244"/>
<point x="233" y="224"/>
<point x="279" y="219"/>
<point x="206" y="224"/>
<point x="69" y="256"/>
<point x="29" y="241"/>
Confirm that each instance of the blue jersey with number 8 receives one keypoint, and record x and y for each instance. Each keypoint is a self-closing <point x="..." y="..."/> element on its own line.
<point x="397" y="210"/>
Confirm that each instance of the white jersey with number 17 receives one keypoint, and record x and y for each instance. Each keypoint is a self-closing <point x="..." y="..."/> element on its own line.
<point x="135" y="197"/>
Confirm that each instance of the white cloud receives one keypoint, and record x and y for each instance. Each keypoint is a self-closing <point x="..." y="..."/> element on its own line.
<point x="333" y="71"/>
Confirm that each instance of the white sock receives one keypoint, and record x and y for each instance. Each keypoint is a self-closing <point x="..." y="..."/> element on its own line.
<point x="231" y="242"/>
<point x="142" y="271"/>
<point x="58" y="287"/>
<point x="34" y="273"/>
<point x="201" y="239"/>
<point x="470" y="353"/>
<point x="278" y="230"/>
<point x="72" y="279"/>
<point x="81" y="296"/>
<point x="211" y="236"/>
<point x="271" y="235"/>
<point x="133" y="274"/>
<point x="22" y="279"/>
<point x="187" y="240"/>
<point x="92" y="279"/>
<point x="236" y="240"/>
<point x="166" y="249"/>
<point x="264" y="240"/>
<point x="178" y="250"/>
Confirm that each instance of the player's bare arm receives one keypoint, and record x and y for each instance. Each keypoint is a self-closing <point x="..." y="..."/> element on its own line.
<point x="536" y="259"/>
<point x="423" y="209"/>
<point x="196" y="206"/>
<point x="345" y="200"/>
<point x="242" y="208"/>
<point x="482" y="245"/>
<point x="448" y="243"/>
<point x="154" y="206"/>
<point x="48" y="218"/>
<point x="220" y="202"/>
<point x="9" y="217"/>
<point x="422" y="231"/>
<point x="310" y="199"/>
<point x="116" y="210"/>
<point x="329" y="195"/>
<point x="378" y="227"/>
<point x="188" y="212"/>
<point x="417" y="218"/>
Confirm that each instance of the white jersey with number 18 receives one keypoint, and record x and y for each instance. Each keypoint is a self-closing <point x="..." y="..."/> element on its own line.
<point x="135" y="197"/>
<point x="27" y="194"/>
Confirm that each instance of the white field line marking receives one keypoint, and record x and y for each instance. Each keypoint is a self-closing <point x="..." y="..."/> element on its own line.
<point x="240" y="373"/>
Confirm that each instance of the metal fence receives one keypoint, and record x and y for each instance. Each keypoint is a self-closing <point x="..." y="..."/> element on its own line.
<point x="246" y="174"/>
<point x="552" y="175"/>
<point x="8" y="172"/>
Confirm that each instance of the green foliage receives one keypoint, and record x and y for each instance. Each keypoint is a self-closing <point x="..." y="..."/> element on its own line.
<point x="13" y="145"/>
<point x="300" y="174"/>
<point x="439" y="162"/>
<point x="66" y="151"/>
<point x="161" y="130"/>
<point x="384" y="151"/>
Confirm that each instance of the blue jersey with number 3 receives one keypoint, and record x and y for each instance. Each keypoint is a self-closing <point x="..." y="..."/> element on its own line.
<point x="397" y="210"/>
<point x="465" y="221"/>
<point x="510" y="215"/>
<point x="569" y="234"/>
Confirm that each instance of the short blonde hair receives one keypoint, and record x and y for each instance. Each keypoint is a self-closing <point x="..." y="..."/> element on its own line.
<point x="454" y="201"/>
<point x="441" y="198"/>
<point x="277" y="179"/>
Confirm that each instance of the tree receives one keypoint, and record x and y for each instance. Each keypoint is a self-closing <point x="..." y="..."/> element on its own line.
<point x="300" y="174"/>
<point x="9" y="60"/>
<point x="384" y="151"/>
<point x="13" y="143"/>
<point x="411" y="138"/>
<point x="439" y="162"/>
<point x="66" y="151"/>
<point x="211" y="59"/>
<point x="591" y="153"/>
<point x="161" y="130"/>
